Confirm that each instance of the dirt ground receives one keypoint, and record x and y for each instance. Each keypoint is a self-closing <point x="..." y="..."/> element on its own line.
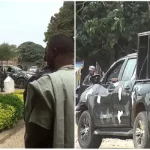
<point x="15" y="141"/>
<point x="110" y="143"/>
<point x="113" y="143"/>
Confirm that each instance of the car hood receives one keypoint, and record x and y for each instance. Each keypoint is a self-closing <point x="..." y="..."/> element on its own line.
<point x="96" y="90"/>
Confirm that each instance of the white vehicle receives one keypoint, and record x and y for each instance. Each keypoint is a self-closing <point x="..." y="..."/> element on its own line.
<point x="33" y="69"/>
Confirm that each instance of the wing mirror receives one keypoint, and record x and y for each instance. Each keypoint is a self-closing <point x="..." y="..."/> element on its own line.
<point x="95" y="79"/>
<point x="114" y="80"/>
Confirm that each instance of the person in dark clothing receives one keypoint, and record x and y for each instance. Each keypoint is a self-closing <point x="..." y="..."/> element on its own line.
<point x="36" y="76"/>
<point x="3" y="76"/>
<point x="87" y="81"/>
<point x="48" y="97"/>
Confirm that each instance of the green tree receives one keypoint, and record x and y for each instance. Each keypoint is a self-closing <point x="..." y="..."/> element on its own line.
<point x="62" y="22"/>
<point x="7" y="52"/>
<point x="108" y="30"/>
<point x="30" y="52"/>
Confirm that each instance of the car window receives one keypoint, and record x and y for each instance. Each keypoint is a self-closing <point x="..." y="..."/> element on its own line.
<point x="16" y="68"/>
<point x="114" y="72"/>
<point x="129" y="69"/>
<point x="143" y="71"/>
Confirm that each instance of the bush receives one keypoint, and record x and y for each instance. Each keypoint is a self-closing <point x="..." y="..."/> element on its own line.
<point x="7" y="116"/>
<point x="13" y="100"/>
<point x="20" y="96"/>
<point x="19" y="93"/>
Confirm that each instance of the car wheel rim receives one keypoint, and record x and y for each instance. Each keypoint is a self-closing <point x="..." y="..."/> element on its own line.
<point x="139" y="133"/>
<point x="21" y="84"/>
<point x="84" y="131"/>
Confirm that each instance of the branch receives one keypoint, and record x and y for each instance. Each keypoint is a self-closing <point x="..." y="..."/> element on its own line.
<point x="81" y="8"/>
<point x="119" y="46"/>
<point x="80" y="19"/>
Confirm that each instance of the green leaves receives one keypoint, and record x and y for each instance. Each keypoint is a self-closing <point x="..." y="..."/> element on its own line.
<point x="7" y="51"/>
<point x="62" y="22"/>
<point x="104" y="27"/>
<point x="30" y="52"/>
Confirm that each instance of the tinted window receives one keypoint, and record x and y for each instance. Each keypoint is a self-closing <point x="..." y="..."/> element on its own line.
<point x="129" y="69"/>
<point x="114" y="72"/>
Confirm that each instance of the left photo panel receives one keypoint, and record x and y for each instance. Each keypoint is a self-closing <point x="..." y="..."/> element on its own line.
<point x="37" y="78"/>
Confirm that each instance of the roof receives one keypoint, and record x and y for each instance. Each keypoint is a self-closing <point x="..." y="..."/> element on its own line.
<point x="132" y="55"/>
<point x="128" y="56"/>
<point x="144" y="33"/>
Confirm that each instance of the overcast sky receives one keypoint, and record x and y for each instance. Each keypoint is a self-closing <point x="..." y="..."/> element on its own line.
<point x="24" y="20"/>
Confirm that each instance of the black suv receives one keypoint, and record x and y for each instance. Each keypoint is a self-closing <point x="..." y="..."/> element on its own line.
<point x="19" y="76"/>
<point x="116" y="107"/>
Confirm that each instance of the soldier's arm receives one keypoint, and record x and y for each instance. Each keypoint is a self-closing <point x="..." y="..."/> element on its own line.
<point x="39" y="116"/>
<point x="85" y="81"/>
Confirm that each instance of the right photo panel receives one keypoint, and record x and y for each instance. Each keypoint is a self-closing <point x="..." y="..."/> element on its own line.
<point x="112" y="74"/>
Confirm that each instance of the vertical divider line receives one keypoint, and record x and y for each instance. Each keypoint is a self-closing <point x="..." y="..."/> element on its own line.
<point x="74" y="68"/>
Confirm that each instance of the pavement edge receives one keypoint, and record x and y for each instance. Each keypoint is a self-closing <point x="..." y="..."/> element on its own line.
<point x="8" y="133"/>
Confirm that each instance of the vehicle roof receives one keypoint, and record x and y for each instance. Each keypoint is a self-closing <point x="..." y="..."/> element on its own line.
<point x="144" y="33"/>
<point x="130" y="55"/>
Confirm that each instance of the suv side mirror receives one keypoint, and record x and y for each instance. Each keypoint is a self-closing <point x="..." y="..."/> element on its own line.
<point x="95" y="79"/>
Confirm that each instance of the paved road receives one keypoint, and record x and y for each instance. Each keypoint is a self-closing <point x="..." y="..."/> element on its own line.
<point x="15" y="141"/>
<point x="113" y="143"/>
<point x="110" y="143"/>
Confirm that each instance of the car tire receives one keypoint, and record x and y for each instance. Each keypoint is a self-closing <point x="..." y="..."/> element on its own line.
<point x="21" y="83"/>
<point x="86" y="137"/>
<point x="141" y="134"/>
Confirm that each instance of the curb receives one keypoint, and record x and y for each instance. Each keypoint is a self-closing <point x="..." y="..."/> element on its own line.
<point x="6" y="134"/>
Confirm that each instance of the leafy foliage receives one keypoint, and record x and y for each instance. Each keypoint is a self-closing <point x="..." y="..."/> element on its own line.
<point x="19" y="93"/>
<point x="109" y="28"/>
<point x="11" y="110"/>
<point x="7" y="51"/>
<point x="7" y="114"/>
<point x="62" y="22"/>
<point x="13" y="100"/>
<point x="30" y="52"/>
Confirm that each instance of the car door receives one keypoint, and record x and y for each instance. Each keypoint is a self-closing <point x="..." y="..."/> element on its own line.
<point x="121" y="96"/>
<point x="103" y="107"/>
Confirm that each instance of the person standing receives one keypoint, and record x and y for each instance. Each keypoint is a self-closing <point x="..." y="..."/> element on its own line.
<point x="87" y="81"/>
<point x="3" y="76"/>
<point x="49" y="106"/>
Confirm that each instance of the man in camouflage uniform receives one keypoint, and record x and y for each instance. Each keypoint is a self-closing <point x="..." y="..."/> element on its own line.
<point x="49" y="106"/>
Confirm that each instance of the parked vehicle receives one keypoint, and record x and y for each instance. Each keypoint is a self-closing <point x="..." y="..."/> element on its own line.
<point x="33" y="69"/>
<point x="118" y="106"/>
<point x="19" y="76"/>
<point x="82" y="88"/>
